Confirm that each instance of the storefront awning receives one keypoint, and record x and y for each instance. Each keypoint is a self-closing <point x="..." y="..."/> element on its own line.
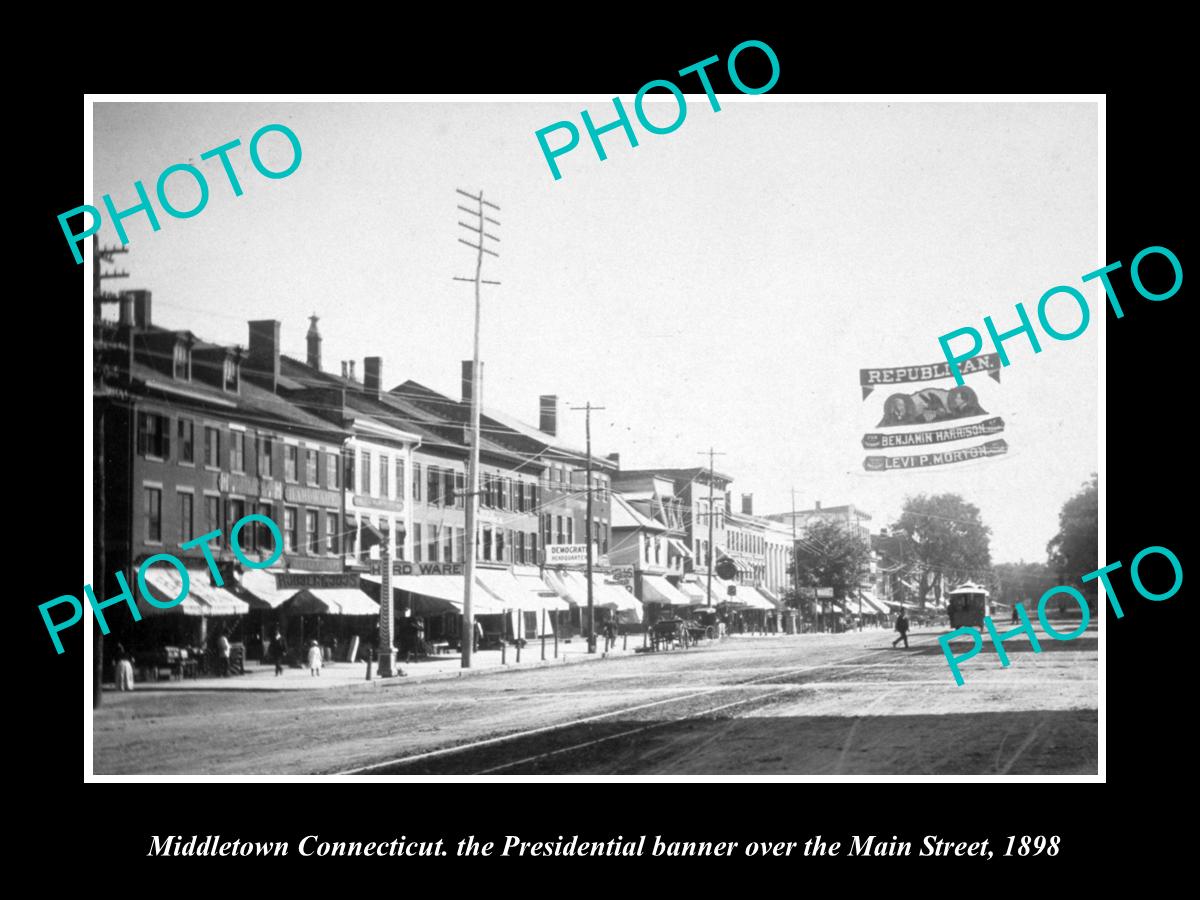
<point x="871" y="605"/>
<point x="544" y="597"/>
<point x="437" y="594"/>
<point x="203" y="599"/>
<point x="754" y="599"/>
<point x="694" y="592"/>
<point x="656" y="589"/>
<point x="680" y="547"/>
<point x="770" y="595"/>
<point x="259" y="584"/>
<point x="513" y="594"/>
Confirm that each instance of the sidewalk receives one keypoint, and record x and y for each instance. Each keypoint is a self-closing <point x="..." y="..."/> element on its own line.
<point x="261" y="676"/>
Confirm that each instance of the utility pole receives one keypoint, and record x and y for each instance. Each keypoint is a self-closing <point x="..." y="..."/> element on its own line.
<point x="711" y="515"/>
<point x="468" y="619"/>
<point x="587" y="525"/>
<point x="102" y="395"/>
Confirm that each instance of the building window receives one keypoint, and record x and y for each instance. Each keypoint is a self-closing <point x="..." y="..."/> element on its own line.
<point x="365" y="487"/>
<point x="187" y="447"/>
<point x="183" y="368"/>
<point x="448" y="495"/>
<point x="212" y="447"/>
<point x="533" y="548"/>
<point x="603" y="538"/>
<point x="310" y="468"/>
<point x="520" y="549"/>
<point x="416" y="535"/>
<point x="153" y="515"/>
<point x="310" y="531"/>
<point x="291" y="463"/>
<point x="460" y="490"/>
<point x="487" y="542"/>
<point x="399" y="478"/>
<point x="433" y="543"/>
<point x="212" y="516"/>
<point x="502" y="493"/>
<point x="265" y="449"/>
<point x="231" y="375"/>
<point x="416" y="481"/>
<point x="448" y="545"/>
<point x="264" y="541"/>
<point x="399" y="543"/>
<point x="291" y="537"/>
<point x="235" y="509"/>
<point x="331" y="533"/>
<point x="434" y="478"/>
<point x="570" y="529"/>
<point x="186" y="523"/>
<point x="237" y="451"/>
<point x="559" y="537"/>
<point x="385" y="469"/>
<point x="153" y="438"/>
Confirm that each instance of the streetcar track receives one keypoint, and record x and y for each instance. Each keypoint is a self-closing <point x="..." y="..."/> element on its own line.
<point x="546" y="729"/>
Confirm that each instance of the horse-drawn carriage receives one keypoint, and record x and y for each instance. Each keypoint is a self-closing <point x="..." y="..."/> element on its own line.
<point x="672" y="632"/>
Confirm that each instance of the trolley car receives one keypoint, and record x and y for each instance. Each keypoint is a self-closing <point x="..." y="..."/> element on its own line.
<point x="967" y="605"/>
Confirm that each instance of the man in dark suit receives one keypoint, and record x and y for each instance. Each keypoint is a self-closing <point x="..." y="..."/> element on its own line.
<point x="902" y="627"/>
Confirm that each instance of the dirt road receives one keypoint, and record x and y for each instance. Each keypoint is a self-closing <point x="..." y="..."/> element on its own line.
<point x="810" y="704"/>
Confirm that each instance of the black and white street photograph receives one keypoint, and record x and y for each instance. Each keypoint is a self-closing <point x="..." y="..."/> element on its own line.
<point x="532" y="436"/>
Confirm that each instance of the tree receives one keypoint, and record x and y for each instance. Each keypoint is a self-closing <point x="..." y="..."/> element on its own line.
<point x="1074" y="550"/>
<point x="948" y="539"/>
<point x="831" y="555"/>
<point x="1021" y="582"/>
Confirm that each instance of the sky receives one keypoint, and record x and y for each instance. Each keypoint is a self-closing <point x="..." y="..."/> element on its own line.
<point x="719" y="286"/>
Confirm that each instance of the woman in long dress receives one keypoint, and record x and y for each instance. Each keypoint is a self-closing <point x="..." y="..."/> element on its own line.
<point x="314" y="659"/>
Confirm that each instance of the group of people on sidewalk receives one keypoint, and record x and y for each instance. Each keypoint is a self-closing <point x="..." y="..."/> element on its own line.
<point x="277" y="654"/>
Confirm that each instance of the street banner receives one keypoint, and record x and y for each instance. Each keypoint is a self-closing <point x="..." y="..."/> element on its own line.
<point x="923" y="406"/>
<point x="877" y="440"/>
<point x="869" y="379"/>
<point x="941" y="458"/>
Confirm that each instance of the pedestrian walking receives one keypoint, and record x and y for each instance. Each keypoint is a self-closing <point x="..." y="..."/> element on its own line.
<point x="223" y="654"/>
<point x="476" y="635"/>
<point x="1015" y="617"/>
<point x="277" y="652"/>
<point x="902" y="627"/>
<point x="314" y="659"/>
<point x="124" y="669"/>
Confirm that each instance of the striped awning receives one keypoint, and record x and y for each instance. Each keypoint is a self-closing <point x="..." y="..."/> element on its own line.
<point x="165" y="583"/>
<point x="656" y="589"/>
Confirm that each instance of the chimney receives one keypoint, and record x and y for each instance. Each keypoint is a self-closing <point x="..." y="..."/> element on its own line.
<point x="141" y="307"/>
<point x="314" y="343"/>
<point x="548" y="420"/>
<point x="263" y="356"/>
<point x="126" y="300"/>
<point x="373" y="375"/>
<point x="345" y="369"/>
<point x="353" y="377"/>
<point x="615" y="459"/>
<point x="747" y="504"/>
<point x="818" y="506"/>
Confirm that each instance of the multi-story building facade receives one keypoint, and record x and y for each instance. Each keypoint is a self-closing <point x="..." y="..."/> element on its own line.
<point x="194" y="437"/>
